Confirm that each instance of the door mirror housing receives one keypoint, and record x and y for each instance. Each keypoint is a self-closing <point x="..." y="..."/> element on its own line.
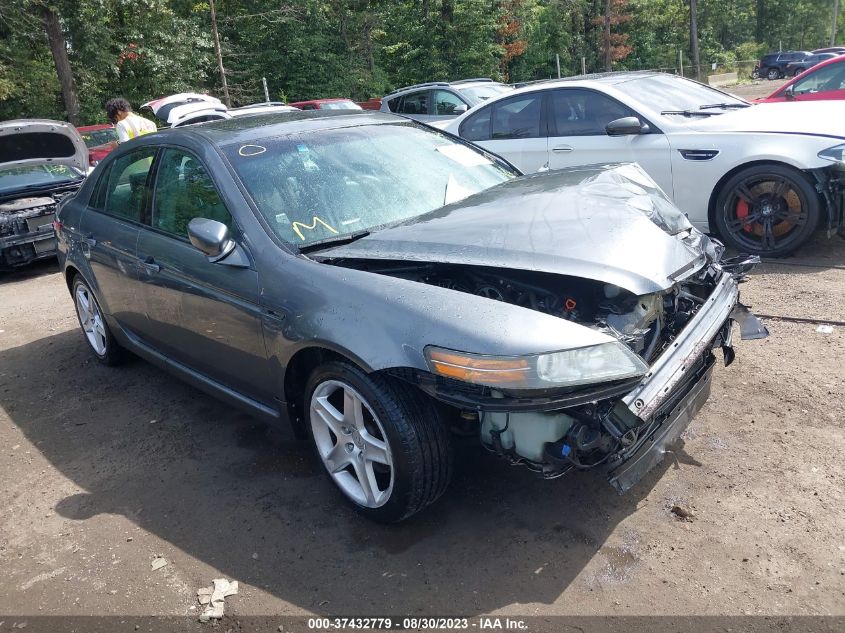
<point x="460" y="109"/>
<point x="626" y="126"/>
<point x="211" y="237"/>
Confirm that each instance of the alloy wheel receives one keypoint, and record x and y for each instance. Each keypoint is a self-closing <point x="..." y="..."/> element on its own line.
<point x="765" y="212"/>
<point x="91" y="319"/>
<point x="352" y="443"/>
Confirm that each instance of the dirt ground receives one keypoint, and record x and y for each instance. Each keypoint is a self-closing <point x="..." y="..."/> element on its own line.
<point x="756" y="89"/>
<point x="104" y="469"/>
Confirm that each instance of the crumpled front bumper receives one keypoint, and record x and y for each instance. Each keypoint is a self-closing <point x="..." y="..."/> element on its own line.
<point x="39" y="241"/>
<point x="678" y="383"/>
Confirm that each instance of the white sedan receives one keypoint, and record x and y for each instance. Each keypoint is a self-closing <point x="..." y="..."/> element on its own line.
<point x="763" y="177"/>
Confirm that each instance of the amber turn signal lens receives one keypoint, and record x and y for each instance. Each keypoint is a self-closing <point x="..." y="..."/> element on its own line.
<point x="478" y="369"/>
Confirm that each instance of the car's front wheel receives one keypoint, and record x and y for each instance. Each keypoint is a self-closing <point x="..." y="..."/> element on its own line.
<point x="93" y="325"/>
<point x="379" y="439"/>
<point x="767" y="210"/>
<point x="773" y="74"/>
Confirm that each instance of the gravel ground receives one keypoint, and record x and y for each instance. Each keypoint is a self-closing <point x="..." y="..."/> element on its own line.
<point x="103" y="470"/>
<point x="756" y="89"/>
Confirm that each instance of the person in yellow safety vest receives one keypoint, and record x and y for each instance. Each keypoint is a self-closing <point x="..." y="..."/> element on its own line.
<point x="127" y="124"/>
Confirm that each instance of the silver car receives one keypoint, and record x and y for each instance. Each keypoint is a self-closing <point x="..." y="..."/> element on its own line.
<point x="440" y="100"/>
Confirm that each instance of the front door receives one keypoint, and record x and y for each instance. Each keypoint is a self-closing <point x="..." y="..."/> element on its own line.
<point x="577" y="136"/>
<point x="202" y="314"/>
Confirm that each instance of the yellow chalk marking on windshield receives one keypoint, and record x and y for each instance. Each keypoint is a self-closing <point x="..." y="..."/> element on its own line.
<point x="251" y="150"/>
<point x="315" y="221"/>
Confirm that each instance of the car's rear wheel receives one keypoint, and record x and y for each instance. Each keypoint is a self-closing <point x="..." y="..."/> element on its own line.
<point x="772" y="74"/>
<point x="797" y="72"/>
<point x="768" y="210"/>
<point x="94" y="325"/>
<point x="380" y="440"/>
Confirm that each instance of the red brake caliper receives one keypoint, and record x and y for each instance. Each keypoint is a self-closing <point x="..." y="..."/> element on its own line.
<point x="742" y="212"/>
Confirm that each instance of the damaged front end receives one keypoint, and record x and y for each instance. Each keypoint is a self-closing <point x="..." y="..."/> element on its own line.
<point x="26" y="229"/>
<point x="601" y="248"/>
<point x="621" y="425"/>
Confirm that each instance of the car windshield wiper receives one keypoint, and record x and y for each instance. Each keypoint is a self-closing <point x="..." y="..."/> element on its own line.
<point x="332" y="241"/>
<point x="690" y="113"/>
<point x="713" y="106"/>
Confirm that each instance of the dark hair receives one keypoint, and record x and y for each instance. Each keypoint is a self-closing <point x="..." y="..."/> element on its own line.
<point x="118" y="104"/>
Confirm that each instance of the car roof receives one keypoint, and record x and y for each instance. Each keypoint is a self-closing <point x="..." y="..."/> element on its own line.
<point x="328" y="100"/>
<point x="272" y="124"/>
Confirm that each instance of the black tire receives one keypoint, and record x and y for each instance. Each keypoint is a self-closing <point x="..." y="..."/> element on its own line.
<point x="112" y="353"/>
<point x="797" y="72"/>
<point x="419" y="441"/>
<point x="772" y="74"/>
<point x="767" y="210"/>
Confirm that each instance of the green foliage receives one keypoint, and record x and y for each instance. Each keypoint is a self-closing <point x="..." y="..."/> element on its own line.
<point x="142" y="49"/>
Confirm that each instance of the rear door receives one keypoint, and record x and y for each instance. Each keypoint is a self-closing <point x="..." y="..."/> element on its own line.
<point x="577" y="118"/>
<point x="414" y="105"/>
<point x="512" y="128"/>
<point x="204" y="315"/>
<point x="109" y="230"/>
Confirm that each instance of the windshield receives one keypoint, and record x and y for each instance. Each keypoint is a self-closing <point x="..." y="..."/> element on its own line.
<point x="485" y="91"/>
<point x="99" y="137"/>
<point x="342" y="182"/>
<point x="339" y="105"/>
<point x="14" y="178"/>
<point x="668" y="93"/>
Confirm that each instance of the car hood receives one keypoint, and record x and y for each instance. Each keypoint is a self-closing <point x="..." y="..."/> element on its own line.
<point x="817" y="118"/>
<point x="36" y="141"/>
<point x="607" y="223"/>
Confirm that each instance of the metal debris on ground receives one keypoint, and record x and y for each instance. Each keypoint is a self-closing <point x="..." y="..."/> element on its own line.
<point x="213" y="598"/>
<point x="158" y="562"/>
<point x="825" y="329"/>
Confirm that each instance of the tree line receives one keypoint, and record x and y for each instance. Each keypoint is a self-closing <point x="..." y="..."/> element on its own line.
<point x="64" y="58"/>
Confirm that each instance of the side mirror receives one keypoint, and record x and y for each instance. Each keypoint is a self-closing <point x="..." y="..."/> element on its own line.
<point x="625" y="126"/>
<point x="789" y="93"/>
<point x="460" y="109"/>
<point x="211" y="237"/>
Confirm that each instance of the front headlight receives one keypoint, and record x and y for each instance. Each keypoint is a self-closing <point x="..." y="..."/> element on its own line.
<point x="605" y="362"/>
<point x="835" y="153"/>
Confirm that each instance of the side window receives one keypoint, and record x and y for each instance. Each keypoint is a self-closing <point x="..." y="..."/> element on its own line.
<point x="477" y="126"/>
<point x="394" y="104"/>
<point x="828" y="78"/>
<point x="127" y="191"/>
<point x="415" y="103"/>
<point x="517" y="117"/>
<point x="577" y="112"/>
<point x="184" y="191"/>
<point x="445" y="103"/>
<point x="309" y="106"/>
<point x="98" y="198"/>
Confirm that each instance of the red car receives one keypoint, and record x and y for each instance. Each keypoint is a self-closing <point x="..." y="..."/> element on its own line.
<point x="99" y="139"/>
<point x="821" y="82"/>
<point x="326" y="104"/>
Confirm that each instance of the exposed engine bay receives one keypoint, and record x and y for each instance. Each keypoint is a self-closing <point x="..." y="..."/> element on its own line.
<point x="26" y="229"/>
<point x="593" y="426"/>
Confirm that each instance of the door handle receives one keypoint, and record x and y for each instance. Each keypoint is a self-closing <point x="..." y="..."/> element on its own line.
<point x="150" y="265"/>
<point x="562" y="149"/>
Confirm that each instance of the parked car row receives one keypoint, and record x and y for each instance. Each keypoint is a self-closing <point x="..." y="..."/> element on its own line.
<point x="822" y="82"/>
<point x="791" y="63"/>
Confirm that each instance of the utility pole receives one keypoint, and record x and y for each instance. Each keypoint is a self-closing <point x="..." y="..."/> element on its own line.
<point x="608" y="54"/>
<point x="693" y="35"/>
<point x="835" y="19"/>
<point x="219" y="54"/>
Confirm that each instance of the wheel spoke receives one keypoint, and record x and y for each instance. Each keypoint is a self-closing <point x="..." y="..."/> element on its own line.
<point x="744" y="193"/>
<point x="739" y="224"/>
<point x="330" y="416"/>
<point x="375" y="449"/>
<point x="768" y="236"/>
<point x="781" y="186"/>
<point x="366" y="479"/>
<point x="798" y="219"/>
<point x="84" y="304"/>
<point x="338" y="458"/>
<point x="353" y="410"/>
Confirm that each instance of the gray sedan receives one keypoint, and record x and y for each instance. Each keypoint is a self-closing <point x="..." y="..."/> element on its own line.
<point x="379" y="285"/>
